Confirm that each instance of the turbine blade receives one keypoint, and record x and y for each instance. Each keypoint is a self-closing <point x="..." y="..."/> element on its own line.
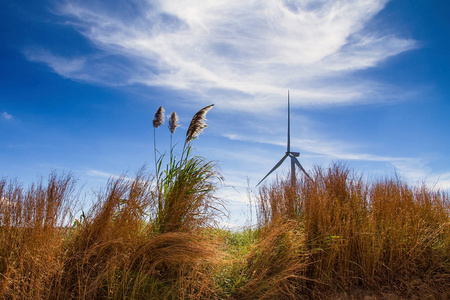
<point x="273" y="169"/>
<point x="300" y="166"/>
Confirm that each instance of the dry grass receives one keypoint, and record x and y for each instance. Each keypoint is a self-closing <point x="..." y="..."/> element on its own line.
<point x="382" y="236"/>
<point x="335" y="237"/>
<point x="32" y="236"/>
<point x="277" y="266"/>
<point x="114" y="251"/>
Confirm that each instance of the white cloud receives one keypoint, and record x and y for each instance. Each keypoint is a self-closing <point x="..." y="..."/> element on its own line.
<point x="253" y="50"/>
<point x="66" y="67"/>
<point x="102" y="174"/>
<point x="6" y="116"/>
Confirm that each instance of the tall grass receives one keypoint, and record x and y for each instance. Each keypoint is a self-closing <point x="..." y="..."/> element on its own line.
<point x="324" y="238"/>
<point x="186" y="199"/>
<point x="380" y="235"/>
<point x="277" y="266"/>
<point x="32" y="234"/>
<point x="115" y="250"/>
<point x="185" y="187"/>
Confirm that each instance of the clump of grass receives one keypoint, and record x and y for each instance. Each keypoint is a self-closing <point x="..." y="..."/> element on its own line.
<point x="276" y="267"/>
<point x="140" y="238"/>
<point x="383" y="235"/>
<point x="32" y="230"/>
<point x="186" y="186"/>
<point x="187" y="200"/>
<point x="412" y="226"/>
<point x="176" y="265"/>
<point x="335" y="213"/>
<point x="103" y="241"/>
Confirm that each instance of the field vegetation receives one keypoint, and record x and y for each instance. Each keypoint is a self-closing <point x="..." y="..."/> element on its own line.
<point x="154" y="236"/>
<point x="335" y="236"/>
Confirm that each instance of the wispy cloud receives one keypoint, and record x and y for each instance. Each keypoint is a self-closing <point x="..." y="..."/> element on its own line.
<point x="66" y="67"/>
<point x="6" y="116"/>
<point x="248" y="50"/>
<point x="102" y="174"/>
<point x="329" y="149"/>
<point x="414" y="169"/>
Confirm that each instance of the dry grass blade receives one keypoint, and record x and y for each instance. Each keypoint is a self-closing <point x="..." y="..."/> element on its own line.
<point x="159" y="117"/>
<point x="197" y="124"/>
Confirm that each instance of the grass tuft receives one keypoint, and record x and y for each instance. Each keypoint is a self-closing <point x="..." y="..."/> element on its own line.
<point x="381" y="236"/>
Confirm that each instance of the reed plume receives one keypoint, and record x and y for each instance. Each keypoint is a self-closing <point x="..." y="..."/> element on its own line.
<point x="173" y="122"/>
<point x="197" y="124"/>
<point x="159" y="117"/>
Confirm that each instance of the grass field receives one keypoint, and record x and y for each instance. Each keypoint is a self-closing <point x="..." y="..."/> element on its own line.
<point x="337" y="236"/>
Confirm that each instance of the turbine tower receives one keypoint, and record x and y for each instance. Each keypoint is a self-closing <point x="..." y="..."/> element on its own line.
<point x="289" y="153"/>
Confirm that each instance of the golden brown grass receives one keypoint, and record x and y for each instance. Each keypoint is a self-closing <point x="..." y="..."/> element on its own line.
<point x="114" y="251"/>
<point x="32" y="236"/>
<point x="381" y="236"/>
<point x="277" y="266"/>
<point x="334" y="236"/>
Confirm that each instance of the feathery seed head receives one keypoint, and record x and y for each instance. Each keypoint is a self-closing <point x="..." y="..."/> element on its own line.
<point x="159" y="117"/>
<point x="197" y="124"/>
<point x="173" y="122"/>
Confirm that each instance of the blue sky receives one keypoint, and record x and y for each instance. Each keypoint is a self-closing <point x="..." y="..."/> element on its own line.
<point x="80" y="82"/>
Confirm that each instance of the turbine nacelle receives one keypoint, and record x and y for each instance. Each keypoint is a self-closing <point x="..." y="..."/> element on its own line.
<point x="295" y="154"/>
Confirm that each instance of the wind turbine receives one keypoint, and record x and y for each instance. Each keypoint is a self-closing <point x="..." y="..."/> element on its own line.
<point x="289" y="153"/>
